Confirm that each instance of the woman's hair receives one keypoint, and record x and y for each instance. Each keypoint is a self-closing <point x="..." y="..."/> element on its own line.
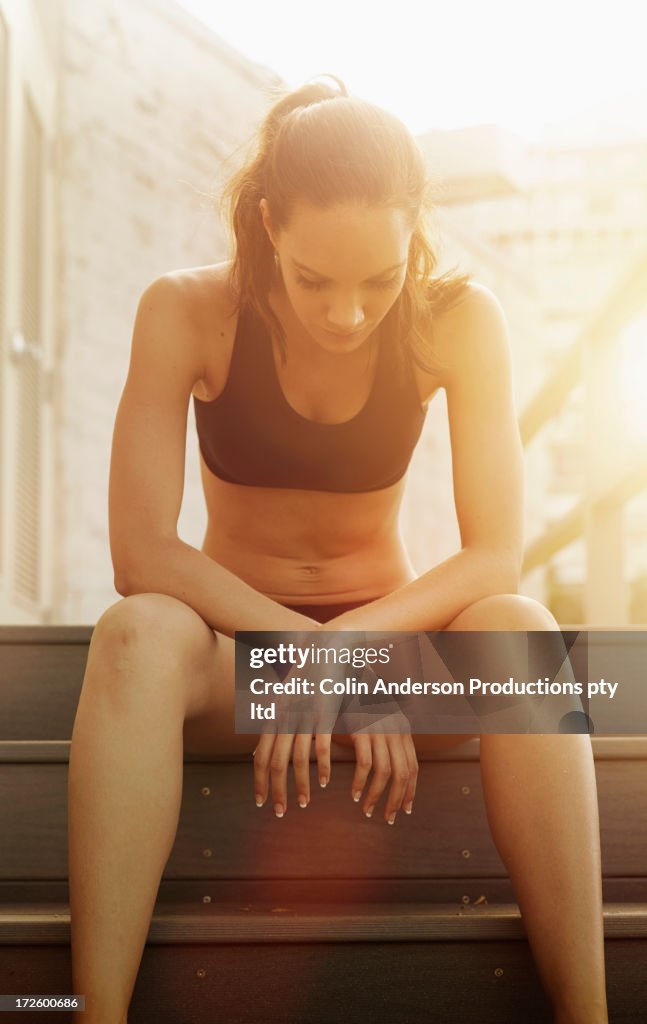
<point x="319" y="145"/>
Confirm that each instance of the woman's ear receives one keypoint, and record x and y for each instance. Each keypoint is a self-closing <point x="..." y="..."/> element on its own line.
<point x="267" y="220"/>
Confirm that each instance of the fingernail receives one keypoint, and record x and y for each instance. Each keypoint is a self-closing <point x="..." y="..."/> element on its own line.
<point x="259" y="800"/>
<point x="303" y="802"/>
<point x="357" y="796"/>
<point x="278" y="810"/>
<point x="369" y="811"/>
<point x="323" y="781"/>
<point x="408" y="809"/>
<point x="392" y="819"/>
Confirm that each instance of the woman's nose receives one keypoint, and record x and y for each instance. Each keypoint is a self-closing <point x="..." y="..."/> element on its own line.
<point x="345" y="317"/>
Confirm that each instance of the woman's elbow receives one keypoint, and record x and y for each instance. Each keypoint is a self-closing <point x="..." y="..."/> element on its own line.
<point x="130" y="580"/>
<point x="135" y="571"/>
<point x="122" y="567"/>
<point x="122" y="584"/>
<point x="124" y="578"/>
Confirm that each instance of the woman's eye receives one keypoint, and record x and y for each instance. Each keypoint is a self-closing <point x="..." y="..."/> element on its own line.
<point x="305" y="283"/>
<point x="386" y="284"/>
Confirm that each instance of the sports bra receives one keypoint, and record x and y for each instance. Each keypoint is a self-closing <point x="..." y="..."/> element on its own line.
<point x="251" y="435"/>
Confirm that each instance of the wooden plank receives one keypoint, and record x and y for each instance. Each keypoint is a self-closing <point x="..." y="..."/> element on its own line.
<point x="386" y="983"/>
<point x="27" y="924"/>
<point x="444" y="982"/>
<point x="314" y="984"/>
<point x="605" y="748"/>
<point x="41" y="685"/>
<point x="222" y="834"/>
<point x="46" y="634"/>
<point x="280" y="891"/>
<point x="35" y="751"/>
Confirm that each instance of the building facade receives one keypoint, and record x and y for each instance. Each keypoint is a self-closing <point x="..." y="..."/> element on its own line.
<point x="118" y="124"/>
<point x="117" y="120"/>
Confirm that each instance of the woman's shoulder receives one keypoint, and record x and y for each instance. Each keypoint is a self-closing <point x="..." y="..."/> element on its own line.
<point x="203" y="301"/>
<point x="462" y="313"/>
<point x="473" y="328"/>
<point x="200" y="290"/>
<point x="472" y="301"/>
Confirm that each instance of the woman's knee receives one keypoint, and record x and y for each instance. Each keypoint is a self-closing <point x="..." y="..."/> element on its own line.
<point x="151" y="624"/>
<point x="504" y="611"/>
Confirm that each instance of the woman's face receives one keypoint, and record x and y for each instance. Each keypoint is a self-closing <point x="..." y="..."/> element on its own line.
<point x="342" y="268"/>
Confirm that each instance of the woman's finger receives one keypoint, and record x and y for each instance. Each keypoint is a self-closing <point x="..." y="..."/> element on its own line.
<point x="412" y="761"/>
<point x="381" y="773"/>
<point x="399" y="776"/>
<point x="301" y="762"/>
<point x="262" y="756"/>
<point x="279" y="771"/>
<point x="322" y="749"/>
<point x="363" y="764"/>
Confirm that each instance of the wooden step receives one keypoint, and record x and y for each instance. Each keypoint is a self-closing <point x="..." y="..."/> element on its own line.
<point x="307" y="963"/>
<point x="48" y="923"/>
<point x="222" y="834"/>
<point x="320" y="917"/>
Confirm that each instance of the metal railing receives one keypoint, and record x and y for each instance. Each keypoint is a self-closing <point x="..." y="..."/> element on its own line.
<point x="615" y="469"/>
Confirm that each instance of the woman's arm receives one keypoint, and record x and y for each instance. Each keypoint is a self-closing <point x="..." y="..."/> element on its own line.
<point x="147" y="475"/>
<point x="487" y="463"/>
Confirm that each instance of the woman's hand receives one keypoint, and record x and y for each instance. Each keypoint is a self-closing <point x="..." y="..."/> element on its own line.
<point x="271" y="759"/>
<point x="385" y="746"/>
<point x="297" y="718"/>
<point x="390" y="755"/>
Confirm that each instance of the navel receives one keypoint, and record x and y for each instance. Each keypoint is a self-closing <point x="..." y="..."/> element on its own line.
<point x="310" y="570"/>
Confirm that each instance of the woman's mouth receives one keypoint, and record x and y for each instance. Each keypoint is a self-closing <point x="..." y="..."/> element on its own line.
<point x="345" y="334"/>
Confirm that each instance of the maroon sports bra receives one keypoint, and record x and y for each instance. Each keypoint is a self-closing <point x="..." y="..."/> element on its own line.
<point x="251" y="435"/>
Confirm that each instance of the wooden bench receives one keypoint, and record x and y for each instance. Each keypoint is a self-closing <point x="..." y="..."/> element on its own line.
<point x="322" y="916"/>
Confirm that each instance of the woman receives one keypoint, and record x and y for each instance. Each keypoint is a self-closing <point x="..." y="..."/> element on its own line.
<point x="311" y="357"/>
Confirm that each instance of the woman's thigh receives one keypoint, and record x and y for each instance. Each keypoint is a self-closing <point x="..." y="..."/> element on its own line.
<point x="497" y="612"/>
<point x="212" y="729"/>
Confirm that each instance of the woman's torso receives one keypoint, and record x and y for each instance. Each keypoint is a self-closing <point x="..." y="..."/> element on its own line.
<point x="298" y="545"/>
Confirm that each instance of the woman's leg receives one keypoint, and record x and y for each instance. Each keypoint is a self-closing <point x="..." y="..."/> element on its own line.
<point x="541" y="800"/>
<point x="152" y="663"/>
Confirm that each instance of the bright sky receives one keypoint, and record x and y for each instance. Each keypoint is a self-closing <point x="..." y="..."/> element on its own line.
<point x="524" y="65"/>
